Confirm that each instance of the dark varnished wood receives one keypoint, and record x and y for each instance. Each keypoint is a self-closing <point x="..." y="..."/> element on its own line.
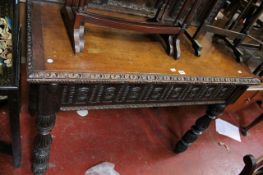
<point x="139" y="74"/>
<point x="46" y="116"/>
<point x="199" y="127"/>
<point x="252" y="165"/>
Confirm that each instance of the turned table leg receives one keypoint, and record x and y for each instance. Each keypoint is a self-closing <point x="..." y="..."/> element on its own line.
<point x="46" y="117"/>
<point x="199" y="127"/>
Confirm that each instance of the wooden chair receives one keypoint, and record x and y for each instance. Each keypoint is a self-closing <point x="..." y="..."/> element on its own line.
<point x="10" y="80"/>
<point x="76" y="13"/>
<point x="259" y="70"/>
<point x="244" y="130"/>
<point x="253" y="166"/>
<point x="232" y="33"/>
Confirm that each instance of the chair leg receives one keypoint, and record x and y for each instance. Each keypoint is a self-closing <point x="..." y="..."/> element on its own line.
<point x="172" y="43"/>
<point x="245" y="129"/>
<point x="173" y="46"/>
<point x="259" y="70"/>
<point x="250" y="165"/>
<point x="14" y="110"/>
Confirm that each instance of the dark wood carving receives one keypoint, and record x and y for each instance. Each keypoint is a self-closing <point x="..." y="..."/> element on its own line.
<point x="114" y="94"/>
<point x="46" y="117"/>
<point x="76" y="13"/>
<point x="199" y="127"/>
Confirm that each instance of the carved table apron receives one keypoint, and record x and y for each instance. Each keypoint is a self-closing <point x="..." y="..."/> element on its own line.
<point x="140" y="76"/>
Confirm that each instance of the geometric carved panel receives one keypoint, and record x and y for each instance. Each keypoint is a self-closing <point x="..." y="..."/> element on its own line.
<point x="110" y="94"/>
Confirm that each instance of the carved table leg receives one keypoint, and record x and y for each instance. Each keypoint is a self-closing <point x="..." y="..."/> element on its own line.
<point x="199" y="127"/>
<point x="46" y="116"/>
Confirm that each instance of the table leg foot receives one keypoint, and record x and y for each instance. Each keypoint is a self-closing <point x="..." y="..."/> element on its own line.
<point x="198" y="128"/>
<point x="244" y="131"/>
<point x="42" y="143"/>
<point x="41" y="154"/>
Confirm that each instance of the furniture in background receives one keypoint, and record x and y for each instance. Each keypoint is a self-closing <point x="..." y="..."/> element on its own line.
<point x="244" y="130"/>
<point x="240" y="19"/>
<point x="138" y="75"/>
<point x="167" y="19"/>
<point x="259" y="70"/>
<point x="10" y="72"/>
<point x="253" y="166"/>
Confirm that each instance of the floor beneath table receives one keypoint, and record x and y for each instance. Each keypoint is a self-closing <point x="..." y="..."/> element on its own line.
<point x="137" y="141"/>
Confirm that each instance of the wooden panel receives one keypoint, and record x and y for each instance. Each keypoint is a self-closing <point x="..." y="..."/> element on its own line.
<point x="116" y="94"/>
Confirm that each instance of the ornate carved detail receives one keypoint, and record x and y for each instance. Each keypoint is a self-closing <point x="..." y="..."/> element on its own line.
<point x="121" y="106"/>
<point x="199" y="127"/>
<point x="42" y="143"/>
<point x="48" y="77"/>
<point x="41" y="153"/>
<point x="29" y="35"/>
<point x="110" y="94"/>
<point x="46" y="123"/>
<point x="48" y="104"/>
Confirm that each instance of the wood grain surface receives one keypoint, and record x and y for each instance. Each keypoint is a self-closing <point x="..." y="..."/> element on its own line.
<point x="118" y="51"/>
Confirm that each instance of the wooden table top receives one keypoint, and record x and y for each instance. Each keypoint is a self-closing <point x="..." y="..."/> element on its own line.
<point x="119" y="53"/>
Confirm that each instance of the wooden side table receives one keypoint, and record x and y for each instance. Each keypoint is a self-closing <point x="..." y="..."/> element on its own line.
<point x="120" y="69"/>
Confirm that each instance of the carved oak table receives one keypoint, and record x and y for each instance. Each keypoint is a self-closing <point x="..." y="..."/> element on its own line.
<point x="120" y="69"/>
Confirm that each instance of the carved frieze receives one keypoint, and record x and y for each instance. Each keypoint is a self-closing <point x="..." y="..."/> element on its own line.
<point x="111" y="94"/>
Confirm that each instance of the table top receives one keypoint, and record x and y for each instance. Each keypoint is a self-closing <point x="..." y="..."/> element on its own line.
<point x="118" y="56"/>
